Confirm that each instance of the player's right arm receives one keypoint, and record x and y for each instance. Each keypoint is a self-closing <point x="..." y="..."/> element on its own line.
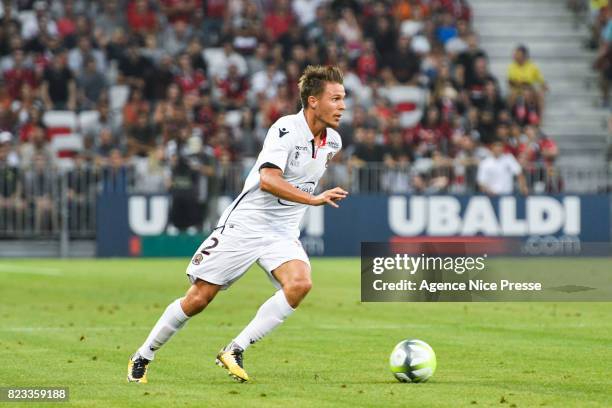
<point x="271" y="181"/>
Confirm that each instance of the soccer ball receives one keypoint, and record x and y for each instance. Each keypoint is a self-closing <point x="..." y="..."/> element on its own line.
<point x="412" y="360"/>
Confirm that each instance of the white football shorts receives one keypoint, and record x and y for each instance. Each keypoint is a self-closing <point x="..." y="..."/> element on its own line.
<point x="224" y="257"/>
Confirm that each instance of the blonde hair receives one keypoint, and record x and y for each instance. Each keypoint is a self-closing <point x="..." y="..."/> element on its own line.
<point x="312" y="82"/>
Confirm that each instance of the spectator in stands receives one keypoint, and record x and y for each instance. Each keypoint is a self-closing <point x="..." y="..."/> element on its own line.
<point x="546" y="177"/>
<point x="368" y="152"/>
<point x="496" y="173"/>
<point x="27" y="108"/>
<point x="176" y="37"/>
<point x="603" y="60"/>
<point x="104" y="144"/>
<point x="212" y="26"/>
<point x="190" y="80"/>
<point x="141" y="18"/>
<point x="170" y="114"/>
<point x="151" y="173"/>
<point x="432" y="134"/>
<point x="91" y="85"/>
<point x="59" y="87"/>
<point x="181" y="10"/>
<point x="220" y="64"/>
<point x="41" y="187"/>
<point x="233" y="89"/>
<point x="397" y="159"/>
<point x="447" y="29"/>
<point x="19" y="75"/>
<point x="279" y="106"/>
<point x="195" y="52"/>
<point x="115" y="176"/>
<point x="161" y="76"/>
<point x="383" y="35"/>
<point x="522" y="71"/>
<point x="10" y="27"/>
<point x="40" y="24"/>
<point x="446" y="97"/>
<point x="351" y="32"/>
<point x="475" y="85"/>
<point x="183" y="189"/>
<point x="27" y="119"/>
<point x="465" y="166"/>
<point x="526" y="109"/>
<point x="135" y="106"/>
<point x="132" y="67"/>
<point x="265" y="83"/>
<point x="404" y="62"/>
<point x="493" y="101"/>
<point x="37" y="145"/>
<point x="278" y="20"/>
<point x="104" y="119"/>
<point x="80" y="182"/>
<point x="78" y="56"/>
<point x="12" y="205"/>
<point x="206" y="163"/>
<point x="465" y="60"/>
<point x="109" y="18"/>
<point x="141" y="138"/>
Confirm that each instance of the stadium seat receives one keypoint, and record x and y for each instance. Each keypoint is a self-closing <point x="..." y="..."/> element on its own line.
<point x="233" y="118"/>
<point x="86" y="118"/>
<point x="118" y="95"/>
<point x="408" y="101"/>
<point x="60" y="119"/>
<point x="67" y="145"/>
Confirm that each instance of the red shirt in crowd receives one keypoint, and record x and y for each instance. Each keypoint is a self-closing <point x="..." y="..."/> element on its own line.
<point x="278" y="24"/>
<point x="366" y="66"/>
<point x="181" y="10"/>
<point x="234" y="88"/>
<point x="15" y="78"/>
<point x="190" y="82"/>
<point x="141" y="21"/>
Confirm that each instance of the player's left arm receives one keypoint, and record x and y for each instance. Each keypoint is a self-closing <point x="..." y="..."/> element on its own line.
<point x="272" y="181"/>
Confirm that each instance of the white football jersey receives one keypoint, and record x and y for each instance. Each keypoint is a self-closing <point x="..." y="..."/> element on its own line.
<point x="289" y="145"/>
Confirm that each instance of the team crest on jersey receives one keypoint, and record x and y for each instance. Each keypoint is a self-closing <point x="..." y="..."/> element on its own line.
<point x="197" y="259"/>
<point x="329" y="157"/>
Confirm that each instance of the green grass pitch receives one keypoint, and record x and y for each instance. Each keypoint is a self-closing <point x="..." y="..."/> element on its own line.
<point x="75" y="323"/>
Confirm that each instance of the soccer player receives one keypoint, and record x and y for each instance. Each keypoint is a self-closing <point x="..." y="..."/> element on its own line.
<point x="262" y="225"/>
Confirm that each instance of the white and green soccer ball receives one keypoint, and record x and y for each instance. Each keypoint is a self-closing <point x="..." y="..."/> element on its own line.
<point x="412" y="361"/>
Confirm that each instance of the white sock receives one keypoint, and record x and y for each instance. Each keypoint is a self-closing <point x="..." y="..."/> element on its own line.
<point x="169" y="323"/>
<point x="272" y="313"/>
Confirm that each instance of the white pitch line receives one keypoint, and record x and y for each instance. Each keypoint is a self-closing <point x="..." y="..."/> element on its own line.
<point x="9" y="268"/>
<point x="84" y="329"/>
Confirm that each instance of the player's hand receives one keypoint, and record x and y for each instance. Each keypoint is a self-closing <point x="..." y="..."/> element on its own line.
<point x="329" y="197"/>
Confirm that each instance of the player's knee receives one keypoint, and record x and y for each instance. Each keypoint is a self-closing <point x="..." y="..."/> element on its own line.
<point x="300" y="286"/>
<point x="196" y="302"/>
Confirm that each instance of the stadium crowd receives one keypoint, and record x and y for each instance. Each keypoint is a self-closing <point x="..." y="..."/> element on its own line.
<point x="179" y="95"/>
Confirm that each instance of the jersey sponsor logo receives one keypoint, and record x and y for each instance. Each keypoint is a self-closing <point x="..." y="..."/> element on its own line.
<point x="301" y="148"/>
<point x="308" y="187"/>
<point x="333" y="145"/>
<point x="282" y="132"/>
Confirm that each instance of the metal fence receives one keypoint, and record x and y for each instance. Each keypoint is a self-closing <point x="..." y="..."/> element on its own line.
<point x="53" y="204"/>
<point x="426" y="177"/>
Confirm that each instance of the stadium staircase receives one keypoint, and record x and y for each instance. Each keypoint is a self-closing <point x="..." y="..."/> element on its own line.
<point x="573" y="114"/>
